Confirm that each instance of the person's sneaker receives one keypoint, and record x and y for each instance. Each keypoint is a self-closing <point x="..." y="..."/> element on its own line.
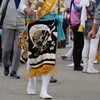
<point x="52" y="80"/>
<point x="69" y="65"/>
<point x="6" y="70"/>
<point x="78" y="69"/>
<point x="13" y="74"/>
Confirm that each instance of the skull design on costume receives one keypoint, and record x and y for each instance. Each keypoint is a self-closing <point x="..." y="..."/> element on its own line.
<point x="40" y="36"/>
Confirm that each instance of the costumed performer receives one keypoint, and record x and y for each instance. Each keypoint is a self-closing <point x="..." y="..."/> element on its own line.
<point x="42" y="41"/>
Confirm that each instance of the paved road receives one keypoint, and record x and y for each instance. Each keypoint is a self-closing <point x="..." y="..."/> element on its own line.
<point x="71" y="85"/>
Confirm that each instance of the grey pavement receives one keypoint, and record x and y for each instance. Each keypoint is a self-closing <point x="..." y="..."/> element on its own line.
<point x="71" y="85"/>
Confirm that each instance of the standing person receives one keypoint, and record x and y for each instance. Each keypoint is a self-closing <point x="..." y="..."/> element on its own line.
<point x="42" y="43"/>
<point x="90" y="45"/>
<point x="75" y="11"/>
<point x="13" y="24"/>
<point x="95" y="23"/>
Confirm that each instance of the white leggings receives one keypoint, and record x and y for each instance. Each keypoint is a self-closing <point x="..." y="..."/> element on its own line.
<point x="89" y="51"/>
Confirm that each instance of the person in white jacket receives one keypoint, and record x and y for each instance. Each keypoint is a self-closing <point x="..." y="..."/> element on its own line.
<point x="90" y="45"/>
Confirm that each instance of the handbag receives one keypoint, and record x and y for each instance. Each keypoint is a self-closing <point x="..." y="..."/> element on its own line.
<point x="23" y="39"/>
<point x="4" y="12"/>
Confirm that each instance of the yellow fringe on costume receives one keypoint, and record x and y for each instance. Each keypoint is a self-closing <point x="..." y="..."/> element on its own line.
<point x="98" y="58"/>
<point x="42" y="70"/>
